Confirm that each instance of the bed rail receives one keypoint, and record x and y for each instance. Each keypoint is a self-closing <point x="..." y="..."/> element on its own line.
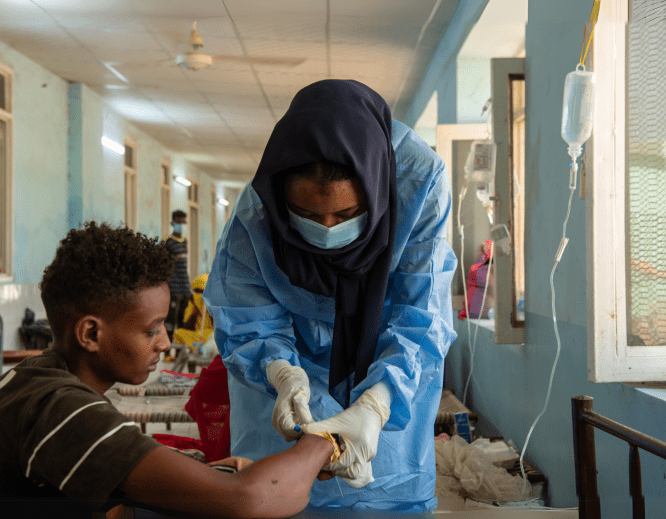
<point x="584" y="422"/>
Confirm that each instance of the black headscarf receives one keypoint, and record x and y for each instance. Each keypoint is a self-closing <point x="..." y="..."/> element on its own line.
<point x="347" y="123"/>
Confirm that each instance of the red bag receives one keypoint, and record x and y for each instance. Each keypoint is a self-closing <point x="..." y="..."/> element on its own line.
<point x="476" y="284"/>
<point x="209" y="407"/>
<point x="178" y="442"/>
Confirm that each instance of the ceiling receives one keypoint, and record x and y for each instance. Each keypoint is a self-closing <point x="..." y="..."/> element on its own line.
<point x="220" y="117"/>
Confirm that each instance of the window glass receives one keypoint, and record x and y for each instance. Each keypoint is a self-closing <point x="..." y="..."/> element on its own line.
<point x="129" y="156"/>
<point x="3" y="94"/>
<point x="517" y="193"/>
<point x="4" y="212"/>
<point x="646" y="175"/>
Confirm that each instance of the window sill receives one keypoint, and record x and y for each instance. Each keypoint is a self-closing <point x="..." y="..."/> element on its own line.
<point x="654" y="389"/>
<point x="488" y="324"/>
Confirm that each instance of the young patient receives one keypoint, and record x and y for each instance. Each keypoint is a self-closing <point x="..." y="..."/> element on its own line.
<point x="65" y="450"/>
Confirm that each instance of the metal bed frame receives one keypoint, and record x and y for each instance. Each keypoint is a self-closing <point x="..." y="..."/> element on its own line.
<point x="584" y="422"/>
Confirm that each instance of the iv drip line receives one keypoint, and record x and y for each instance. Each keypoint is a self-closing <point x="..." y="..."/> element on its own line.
<point x="473" y="343"/>
<point x="461" y="196"/>
<point x="563" y="242"/>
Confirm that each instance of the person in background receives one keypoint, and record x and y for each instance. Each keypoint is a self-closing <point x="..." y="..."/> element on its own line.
<point x="195" y="329"/>
<point x="179" y="284"/>
<point x="330" y="294"/>
<point x="65" y="450"/>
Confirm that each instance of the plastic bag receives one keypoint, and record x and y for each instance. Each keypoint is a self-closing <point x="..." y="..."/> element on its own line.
<point x="209" y="407"/>
<point x="35" y="333"/>
<point x="479" y="478"/>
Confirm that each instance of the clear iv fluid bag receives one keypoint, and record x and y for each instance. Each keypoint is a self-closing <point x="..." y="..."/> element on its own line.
<point x="578" y="108"/>
<point x="480" y="163"/>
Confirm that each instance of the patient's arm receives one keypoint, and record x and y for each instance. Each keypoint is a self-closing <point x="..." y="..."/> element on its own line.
<point x="275" y="486"/>
<point x="234" y="461"/>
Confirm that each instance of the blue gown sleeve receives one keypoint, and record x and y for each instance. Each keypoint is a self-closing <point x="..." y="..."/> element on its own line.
<point x="251" y="327"/>
<point x="417" y="327"/>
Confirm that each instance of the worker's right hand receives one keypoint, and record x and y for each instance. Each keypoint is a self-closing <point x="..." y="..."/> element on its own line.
<point x="358" y="427"/>
<point x="293" y="389"/>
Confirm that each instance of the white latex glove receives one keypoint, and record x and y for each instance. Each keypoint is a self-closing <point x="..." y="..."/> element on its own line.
<point x="291" y="407"/>
<point x="358" y="427"/>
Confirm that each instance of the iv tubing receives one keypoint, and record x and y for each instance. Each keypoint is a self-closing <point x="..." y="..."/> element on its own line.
<point x="572" y="188"/>
<point x="462" y="273"/>
<point x="476" y="330"/>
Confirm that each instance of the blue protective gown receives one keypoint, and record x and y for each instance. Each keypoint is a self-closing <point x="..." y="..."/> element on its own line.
<point x="259" y="317"/>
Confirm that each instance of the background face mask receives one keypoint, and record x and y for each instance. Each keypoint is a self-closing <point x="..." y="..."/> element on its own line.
<point x="179" y="228"/>
<point x="328" y="237"/>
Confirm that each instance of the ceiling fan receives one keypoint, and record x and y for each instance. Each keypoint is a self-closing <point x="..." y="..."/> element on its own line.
<point x="195" y="60"/>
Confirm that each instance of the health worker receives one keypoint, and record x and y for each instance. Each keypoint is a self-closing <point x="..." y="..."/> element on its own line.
<point x="330" y="294"/>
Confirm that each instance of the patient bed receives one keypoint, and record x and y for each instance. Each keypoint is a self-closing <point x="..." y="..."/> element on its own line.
<point x="584" y="422"/>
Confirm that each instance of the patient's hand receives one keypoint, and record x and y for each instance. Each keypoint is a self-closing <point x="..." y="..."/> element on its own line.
<point x="234" y="461"/>
<point x="325" y="475"/>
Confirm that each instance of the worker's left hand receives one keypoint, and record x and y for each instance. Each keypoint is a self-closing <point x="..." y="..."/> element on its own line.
<point x="293" y="394"/>
<point x="358" y="427"/>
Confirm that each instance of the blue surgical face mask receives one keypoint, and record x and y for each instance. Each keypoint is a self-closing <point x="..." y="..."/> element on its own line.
<point x="179" y="228"/>
<point x="324" y="237"/>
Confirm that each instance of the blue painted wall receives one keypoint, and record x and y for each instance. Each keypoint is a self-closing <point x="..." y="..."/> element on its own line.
<point x="442" y="71"/>
<point x="75" y="156"/>
<point x="40" y="164"/>
<point x="510" y="381"/>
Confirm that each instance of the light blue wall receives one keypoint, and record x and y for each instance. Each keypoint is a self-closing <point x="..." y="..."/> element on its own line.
<point x="510" y="381"/>
<point x="473" y="79"/>
<point x="40" y="164"/>
<point x="75" y="156"/>
<point x="442" y="71"/>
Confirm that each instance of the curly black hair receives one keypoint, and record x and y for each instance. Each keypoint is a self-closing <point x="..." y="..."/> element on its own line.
<point x="178" y="214"/>
<point x="100" y="270"/>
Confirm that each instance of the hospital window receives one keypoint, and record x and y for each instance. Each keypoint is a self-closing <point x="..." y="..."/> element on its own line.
<point x="6" y="121"/>
<point x="626" y="258"/>
<point x="193" y="224"/>
<point x="130" y="184"/>
<point x="166" y="198"/>
<point x="508" y="229"/>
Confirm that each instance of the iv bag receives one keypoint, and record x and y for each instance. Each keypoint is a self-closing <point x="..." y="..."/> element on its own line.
<point x="578" y="106"/>
<point x="483" y="193"/>
<point x="480" y="163"/>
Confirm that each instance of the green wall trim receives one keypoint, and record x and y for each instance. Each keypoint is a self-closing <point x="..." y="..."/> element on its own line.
<point x="74" y="157"/>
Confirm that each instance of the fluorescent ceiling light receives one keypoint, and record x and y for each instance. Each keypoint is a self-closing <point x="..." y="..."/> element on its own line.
<point x="113" y="146"/>
<point x="223" y="201"/>
<point x="184" y="181"/>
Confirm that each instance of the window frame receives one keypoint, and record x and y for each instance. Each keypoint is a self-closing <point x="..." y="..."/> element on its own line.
<point x="194" y="243"/>
<point x="610" y="359"/>
<point x="213" y="219"/>
<point x="508" y="329"/>
<point x="130" y="186"/>
<point x="165" y="196"/>
<point x="7" y="220"/>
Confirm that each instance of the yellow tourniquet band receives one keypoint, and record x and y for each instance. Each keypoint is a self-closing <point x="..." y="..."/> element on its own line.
<point x="336" y="447"/>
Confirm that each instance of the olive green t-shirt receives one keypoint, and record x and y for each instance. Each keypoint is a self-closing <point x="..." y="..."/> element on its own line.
<point x="60" y="439"/>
